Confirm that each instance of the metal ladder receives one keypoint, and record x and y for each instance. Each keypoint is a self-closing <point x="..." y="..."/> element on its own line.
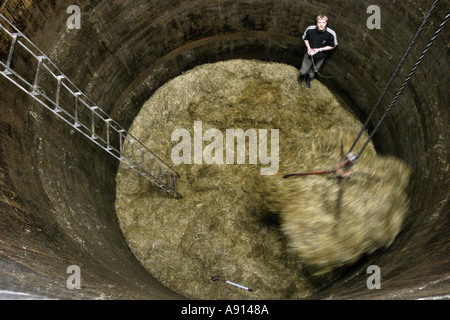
<point x="26" y="66"/>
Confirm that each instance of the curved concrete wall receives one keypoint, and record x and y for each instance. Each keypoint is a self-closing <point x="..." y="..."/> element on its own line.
<point x="57" y="199"/>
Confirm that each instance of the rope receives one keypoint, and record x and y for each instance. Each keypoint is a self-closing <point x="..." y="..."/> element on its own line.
<point x="317" y="71"/>
<point x="399" y="92"/>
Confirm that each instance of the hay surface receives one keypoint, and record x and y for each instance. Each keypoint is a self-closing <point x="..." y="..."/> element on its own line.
<point x="222" y="226"/>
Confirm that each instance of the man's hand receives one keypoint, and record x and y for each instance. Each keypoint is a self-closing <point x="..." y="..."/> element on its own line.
<point x="312" y="52"/>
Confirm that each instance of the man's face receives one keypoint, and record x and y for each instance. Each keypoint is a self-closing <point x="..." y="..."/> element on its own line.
<point x="321" y="24"/>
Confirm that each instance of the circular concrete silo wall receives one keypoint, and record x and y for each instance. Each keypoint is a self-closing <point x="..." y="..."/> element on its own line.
<point x="57" y="189"/>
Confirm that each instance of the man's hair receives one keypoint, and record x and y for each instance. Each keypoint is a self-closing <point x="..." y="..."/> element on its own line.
<point x="322" y="16"/>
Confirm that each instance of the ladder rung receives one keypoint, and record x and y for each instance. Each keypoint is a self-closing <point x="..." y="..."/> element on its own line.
<point x="11" y="50"/>
<point x="36" y="78"/>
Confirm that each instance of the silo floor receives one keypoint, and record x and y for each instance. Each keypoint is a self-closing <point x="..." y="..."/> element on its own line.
<point x="221" y="227"/>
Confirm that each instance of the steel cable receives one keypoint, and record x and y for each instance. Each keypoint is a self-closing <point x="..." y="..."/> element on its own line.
<point x="405" y="55"/>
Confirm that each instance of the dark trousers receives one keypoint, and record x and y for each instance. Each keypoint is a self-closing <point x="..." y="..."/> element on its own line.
<point x="307" y="66"/>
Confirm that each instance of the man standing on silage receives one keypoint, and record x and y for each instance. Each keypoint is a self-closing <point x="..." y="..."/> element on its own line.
<point x="318" y="40"/>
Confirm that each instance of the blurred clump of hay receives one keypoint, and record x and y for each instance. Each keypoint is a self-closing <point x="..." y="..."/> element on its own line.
<point x="373" y="203"/>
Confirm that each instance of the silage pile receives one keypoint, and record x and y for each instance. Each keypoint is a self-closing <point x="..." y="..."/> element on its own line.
<point x="222" y="226"/>
<point x="326" y="232"/>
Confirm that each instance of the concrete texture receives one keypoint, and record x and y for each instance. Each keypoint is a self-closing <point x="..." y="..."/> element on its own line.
<point x="57" y="189"/>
